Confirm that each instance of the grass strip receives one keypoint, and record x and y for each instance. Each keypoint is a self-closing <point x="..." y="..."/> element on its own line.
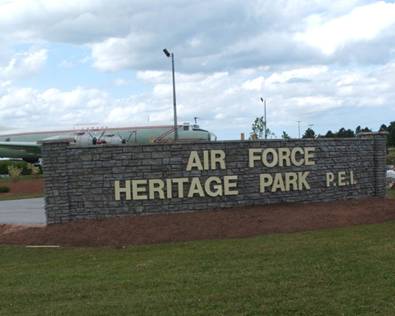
<point x="348" y="271"/>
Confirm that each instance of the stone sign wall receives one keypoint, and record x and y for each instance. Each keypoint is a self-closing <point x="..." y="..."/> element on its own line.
<point x="111" y="180"/>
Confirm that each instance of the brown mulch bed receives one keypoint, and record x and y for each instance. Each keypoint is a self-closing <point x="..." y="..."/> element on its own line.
<point x="23" y="186"/>
<point x="225" y="223"/>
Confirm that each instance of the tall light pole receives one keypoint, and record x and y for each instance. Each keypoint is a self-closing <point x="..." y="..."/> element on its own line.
<point x="168" y="54"/>
<point x="299" y="128"/>
<point x="310" y="125"/>
<point x="264" y="103"/>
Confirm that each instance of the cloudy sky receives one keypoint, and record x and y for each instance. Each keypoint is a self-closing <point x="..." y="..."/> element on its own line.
<point x="90" y="62"/>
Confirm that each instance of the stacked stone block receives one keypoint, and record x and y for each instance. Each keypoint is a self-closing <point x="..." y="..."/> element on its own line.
<point x="79" y="181"/>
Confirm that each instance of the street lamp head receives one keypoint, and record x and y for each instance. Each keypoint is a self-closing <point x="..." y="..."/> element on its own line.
<point x="261" y="99"/>
<point x="166" y="52"/>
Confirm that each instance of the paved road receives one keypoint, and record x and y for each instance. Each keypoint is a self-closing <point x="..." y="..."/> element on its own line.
<point x="26" y="211"/>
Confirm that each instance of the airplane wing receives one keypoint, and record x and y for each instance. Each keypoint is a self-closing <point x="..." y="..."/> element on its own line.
<point x="25" y="150"/>
<point x="27" y="145"/>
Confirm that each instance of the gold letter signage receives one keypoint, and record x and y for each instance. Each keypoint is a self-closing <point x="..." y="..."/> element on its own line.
<point x="217" y="186"/>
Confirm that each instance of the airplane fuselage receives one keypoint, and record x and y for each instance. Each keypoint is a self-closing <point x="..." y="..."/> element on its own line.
<point x="25" y="145"/>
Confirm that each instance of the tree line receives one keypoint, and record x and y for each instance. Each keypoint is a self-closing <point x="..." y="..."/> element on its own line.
<point x="342" y="133"/>
<point x="260" y="131"/>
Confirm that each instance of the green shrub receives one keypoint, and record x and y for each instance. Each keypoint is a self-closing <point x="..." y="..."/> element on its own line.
<point x="14" y="172"/>
<point x="4" y="189"/>
<point x="4" y="166"/>
<point x="26" y="170"/>
<point x="34" y="170"/>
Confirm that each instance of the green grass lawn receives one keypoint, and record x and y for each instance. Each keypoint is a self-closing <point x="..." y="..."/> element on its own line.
<point x="391" y="194"/>
<point x="7" y="179"/>
<point x="332" y="272"/>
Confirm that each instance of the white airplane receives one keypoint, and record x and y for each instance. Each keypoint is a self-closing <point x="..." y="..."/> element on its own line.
<point x="27" y="146"/>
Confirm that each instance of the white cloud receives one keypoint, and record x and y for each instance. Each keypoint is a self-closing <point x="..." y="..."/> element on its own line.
<point x="5" y="84"/>
<point x="151" y="76"/>
<point x="311" y="104"/>
<point x="363" y="23"/>
<point x="24" y="64"/>
<point x="53" y="107"/>
<point x="119" y="82"/>
<point x="205" y="36"/>
<point x="254" y="84"/>
<point x="34" y="60"/>
<point x="220" y="100"/>
<point x="307" y="73"/>
<point x="115" y="53"/>
<point x="307" y="58"/>
<point x="118" y="113"/>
